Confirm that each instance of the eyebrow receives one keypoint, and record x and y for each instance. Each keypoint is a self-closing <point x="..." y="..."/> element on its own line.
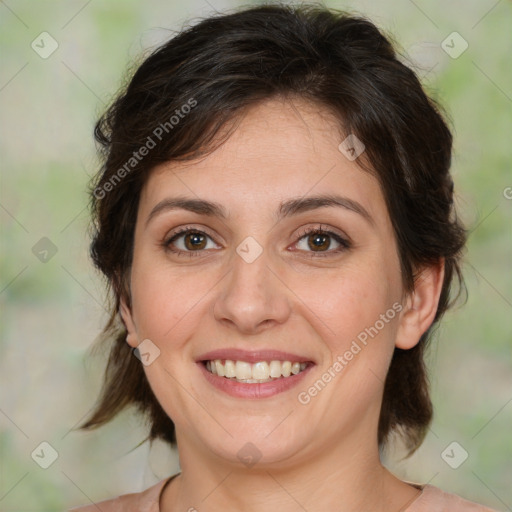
<point x="287" y="208"/>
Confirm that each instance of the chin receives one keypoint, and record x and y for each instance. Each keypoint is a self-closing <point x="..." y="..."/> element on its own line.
<point x="250" y="445"/>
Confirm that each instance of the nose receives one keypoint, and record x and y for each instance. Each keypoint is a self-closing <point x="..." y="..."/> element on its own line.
<point x="252" y="297"/>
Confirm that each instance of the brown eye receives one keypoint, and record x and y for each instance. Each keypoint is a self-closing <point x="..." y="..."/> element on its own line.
<point x="319" y="241"/>
<point x="194" y="241"/>
<point x="188" y="241"/>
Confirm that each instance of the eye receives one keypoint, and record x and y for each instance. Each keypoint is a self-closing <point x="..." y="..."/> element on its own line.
<point x="188" y="241"/>
<point x="320" y="240"/>
<point x="191" y="242"/>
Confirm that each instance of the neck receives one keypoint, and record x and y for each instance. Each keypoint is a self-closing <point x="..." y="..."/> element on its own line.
<point x="349" y="476"/>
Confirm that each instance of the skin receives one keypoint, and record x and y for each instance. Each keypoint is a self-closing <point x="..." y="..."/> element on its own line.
<point x="316" y="456"/>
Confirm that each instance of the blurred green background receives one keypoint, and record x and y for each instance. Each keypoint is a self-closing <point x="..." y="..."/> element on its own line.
<point x="52" y="310"/>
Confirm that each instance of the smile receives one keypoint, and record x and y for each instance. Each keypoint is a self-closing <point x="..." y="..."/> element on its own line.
<point x="253" y="374"/>
<point x="256" y="373"/>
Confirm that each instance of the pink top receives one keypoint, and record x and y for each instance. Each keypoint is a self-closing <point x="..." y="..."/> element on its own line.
<point x="431" y="499"/>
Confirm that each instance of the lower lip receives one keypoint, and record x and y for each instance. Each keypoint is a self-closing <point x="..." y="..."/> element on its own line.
<point x="254" y="390"/>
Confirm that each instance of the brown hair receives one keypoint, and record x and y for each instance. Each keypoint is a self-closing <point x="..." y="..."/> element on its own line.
<point x="200" y="81"/>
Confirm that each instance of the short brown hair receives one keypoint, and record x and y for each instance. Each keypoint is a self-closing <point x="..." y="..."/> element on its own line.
<point x="228" y="62"/>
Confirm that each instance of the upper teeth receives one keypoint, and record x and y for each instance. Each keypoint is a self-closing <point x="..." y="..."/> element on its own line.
<point x="261" y="371"/>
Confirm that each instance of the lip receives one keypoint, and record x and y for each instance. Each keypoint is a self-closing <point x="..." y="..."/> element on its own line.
<point x="255" y="390"/>
<point x="255" y="356"/>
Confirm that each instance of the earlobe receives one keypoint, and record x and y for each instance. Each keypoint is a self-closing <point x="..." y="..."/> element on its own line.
<point x="421" y="306"/>
<point x="126" y="315"/>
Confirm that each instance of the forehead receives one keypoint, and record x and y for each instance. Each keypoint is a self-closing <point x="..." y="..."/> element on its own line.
<point x="280" y="149"/>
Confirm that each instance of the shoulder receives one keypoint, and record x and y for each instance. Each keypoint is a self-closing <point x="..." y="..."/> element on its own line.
<point x="433" y="499"/>
<point x="145" y="501"/>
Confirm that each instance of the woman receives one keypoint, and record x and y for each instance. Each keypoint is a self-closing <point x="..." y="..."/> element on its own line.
<point x="275" y="219"/>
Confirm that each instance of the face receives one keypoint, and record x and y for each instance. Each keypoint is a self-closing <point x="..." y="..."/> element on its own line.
<point x="279" y="278"/>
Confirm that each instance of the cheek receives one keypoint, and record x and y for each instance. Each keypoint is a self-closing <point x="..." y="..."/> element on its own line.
<point x="356" y="318"/>
<point x="350" y="299"/>
<point x="354" y="311"/>
<point x="166" y="299"/>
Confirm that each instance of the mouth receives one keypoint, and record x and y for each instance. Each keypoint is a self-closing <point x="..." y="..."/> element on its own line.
<point x="256" y="373"/>
<point x="246" y="374"/>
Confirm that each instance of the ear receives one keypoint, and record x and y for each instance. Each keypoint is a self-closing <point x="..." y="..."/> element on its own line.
<point x="421" y="306"/>
<point x="126" y="315"/>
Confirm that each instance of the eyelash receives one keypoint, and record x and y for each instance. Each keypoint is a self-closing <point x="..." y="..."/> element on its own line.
<point x="344" y="244"/>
